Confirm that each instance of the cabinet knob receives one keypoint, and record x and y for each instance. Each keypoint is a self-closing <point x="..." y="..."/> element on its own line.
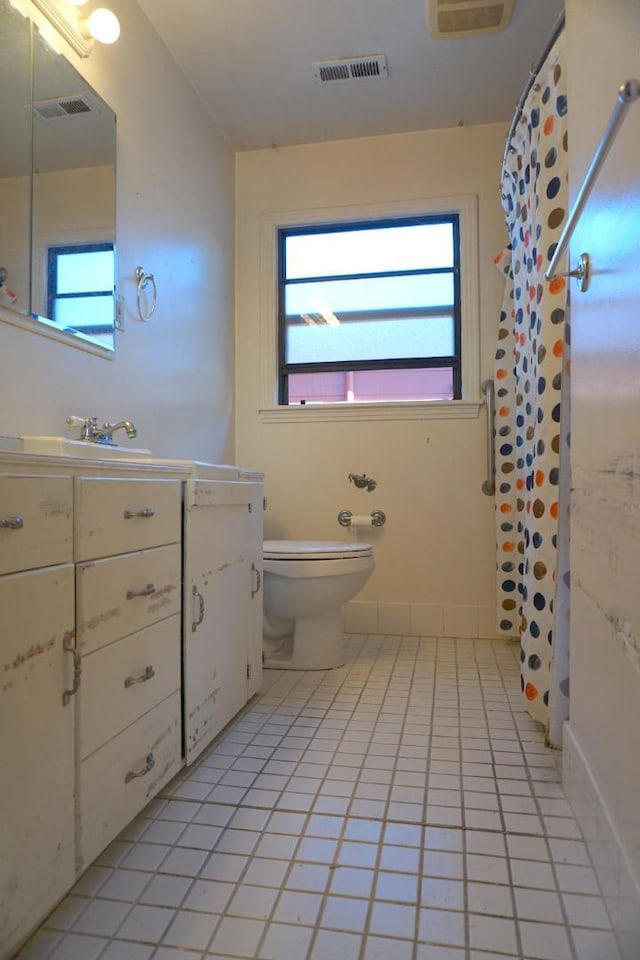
<point x="12" y="523"/>
<point x="146" y="512"/>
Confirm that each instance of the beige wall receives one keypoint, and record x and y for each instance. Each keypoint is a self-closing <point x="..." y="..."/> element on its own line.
<point x="438" y="544"/>
<point x="603" y="736"/>
<point x="173" y="375"/>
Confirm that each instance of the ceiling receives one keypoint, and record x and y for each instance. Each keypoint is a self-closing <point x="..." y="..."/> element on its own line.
<point x="250" y="62"/>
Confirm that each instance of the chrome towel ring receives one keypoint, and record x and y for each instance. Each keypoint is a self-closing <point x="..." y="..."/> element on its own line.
<point x="143" y="280"/>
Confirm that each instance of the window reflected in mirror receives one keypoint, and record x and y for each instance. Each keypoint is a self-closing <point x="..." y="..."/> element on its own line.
<point x="80" y="290"/>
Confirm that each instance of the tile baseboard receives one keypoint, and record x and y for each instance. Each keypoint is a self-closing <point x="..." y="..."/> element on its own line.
<point x="620" y="889"/>
<point x="466" y="621"/>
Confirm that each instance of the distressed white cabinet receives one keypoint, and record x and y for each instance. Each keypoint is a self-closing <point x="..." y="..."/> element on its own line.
<point x="222" y="633"/>
<point x="162" y="634"/>
<point x="36" y="718"/>
<point x="128" y="622"/>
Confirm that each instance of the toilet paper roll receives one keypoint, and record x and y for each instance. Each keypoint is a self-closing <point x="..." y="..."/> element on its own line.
<point x="361" y="520"/>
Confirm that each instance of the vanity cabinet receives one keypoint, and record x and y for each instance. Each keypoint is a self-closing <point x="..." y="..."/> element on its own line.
<point x="222" y="645"/>
<point x="128" y="603"/>
<point x="36" y="716"/>
<point x="130" y="636"/>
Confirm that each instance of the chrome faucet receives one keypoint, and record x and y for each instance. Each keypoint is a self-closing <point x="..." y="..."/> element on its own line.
<point x="91" y="431"/>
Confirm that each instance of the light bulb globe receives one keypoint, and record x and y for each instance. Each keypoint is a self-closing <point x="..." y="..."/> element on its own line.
<point x="103" y="25"/>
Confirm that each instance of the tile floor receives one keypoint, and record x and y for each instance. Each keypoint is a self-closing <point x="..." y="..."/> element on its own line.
<point x="403" y="807"/>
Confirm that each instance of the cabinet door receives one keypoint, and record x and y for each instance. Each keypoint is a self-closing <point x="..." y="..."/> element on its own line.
<point x="36" y="749"/>
<point x="218" y="582"/>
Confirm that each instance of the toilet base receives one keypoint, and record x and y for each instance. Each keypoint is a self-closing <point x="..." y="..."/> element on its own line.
<point x="317" y="643"/>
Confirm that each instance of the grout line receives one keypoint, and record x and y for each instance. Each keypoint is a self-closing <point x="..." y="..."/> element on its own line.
<point x="401" y="696"/>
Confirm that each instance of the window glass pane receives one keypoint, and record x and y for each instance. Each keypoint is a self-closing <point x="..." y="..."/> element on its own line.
<point x="85" y="272"/>
<point x="318" y="387"/>
<point x="371" y="385"/>
<point x="86" y="314"/>
<point x="389" y="339"/>
<point x="375" y="250"/>
<point x="329" y="299"/>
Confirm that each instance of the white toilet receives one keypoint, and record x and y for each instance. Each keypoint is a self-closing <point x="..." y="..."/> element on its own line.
<point x="305" y="585"/>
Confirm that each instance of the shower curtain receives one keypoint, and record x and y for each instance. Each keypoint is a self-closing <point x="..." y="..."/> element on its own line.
<point x="531" y="370"/>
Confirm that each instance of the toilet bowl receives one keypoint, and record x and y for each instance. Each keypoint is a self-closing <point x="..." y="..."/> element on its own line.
<point x="305" y="585"/>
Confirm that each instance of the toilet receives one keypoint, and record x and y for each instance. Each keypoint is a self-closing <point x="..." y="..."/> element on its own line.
<point x="306" y="582"/>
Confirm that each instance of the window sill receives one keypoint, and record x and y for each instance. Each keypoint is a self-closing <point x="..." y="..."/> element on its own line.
<point x="338" y="412"/>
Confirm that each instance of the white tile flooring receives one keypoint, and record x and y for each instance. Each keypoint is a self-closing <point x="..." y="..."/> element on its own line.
<point x="403" y="807"/>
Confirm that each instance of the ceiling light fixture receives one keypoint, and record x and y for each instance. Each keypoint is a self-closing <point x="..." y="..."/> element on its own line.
<point x="77" y="29"/>
<point x="102" y="25"/>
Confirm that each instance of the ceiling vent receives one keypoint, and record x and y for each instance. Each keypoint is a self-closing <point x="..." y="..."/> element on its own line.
<point x="351" y="68"/>
<point x="467" y="18"/>
<point x="63" y="108"/>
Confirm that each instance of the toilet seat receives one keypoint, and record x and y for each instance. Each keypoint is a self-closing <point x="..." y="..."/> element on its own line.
<point x="314" y="550"/>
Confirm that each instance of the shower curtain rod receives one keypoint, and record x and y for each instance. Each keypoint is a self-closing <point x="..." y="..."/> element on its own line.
<point x="533" y="73"/>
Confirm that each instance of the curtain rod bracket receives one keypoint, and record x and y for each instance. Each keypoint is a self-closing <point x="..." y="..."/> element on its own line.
<point x="582" y="272"/>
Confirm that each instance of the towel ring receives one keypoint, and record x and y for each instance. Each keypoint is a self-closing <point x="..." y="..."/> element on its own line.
<point x="144" y="279"/>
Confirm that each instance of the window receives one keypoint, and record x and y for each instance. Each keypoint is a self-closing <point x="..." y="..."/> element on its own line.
<point x="370" y="311"/>
<point x="78" y="277"/>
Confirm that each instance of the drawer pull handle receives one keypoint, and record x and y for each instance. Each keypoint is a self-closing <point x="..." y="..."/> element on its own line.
<point x="147" y="675"/>
<point x="68" y="647"/>
<point x="147" y="512"/>
<point x="149" y="765"/>
<point x="255" y="570"/>
<point x="12" y="523"/>
<point x="147" y="591"/>
<point x="196" y="595"/>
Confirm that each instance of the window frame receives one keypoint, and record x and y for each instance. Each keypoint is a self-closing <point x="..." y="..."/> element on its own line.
<point x="406" y="363"/>
<point x="271" y="225"/>
<point x="56" y="250"/>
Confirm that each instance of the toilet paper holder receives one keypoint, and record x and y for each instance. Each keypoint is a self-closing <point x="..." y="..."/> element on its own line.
<point x="346" y="517"/>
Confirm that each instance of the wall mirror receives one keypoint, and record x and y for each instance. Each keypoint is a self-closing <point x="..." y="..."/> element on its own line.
<point x="57" y="190"/>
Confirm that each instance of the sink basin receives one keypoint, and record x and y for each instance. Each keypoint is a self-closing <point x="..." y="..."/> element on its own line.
<point x="63" y="447"/>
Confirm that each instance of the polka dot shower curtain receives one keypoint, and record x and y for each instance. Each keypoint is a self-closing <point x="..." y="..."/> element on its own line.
<point x="529" y="378"/>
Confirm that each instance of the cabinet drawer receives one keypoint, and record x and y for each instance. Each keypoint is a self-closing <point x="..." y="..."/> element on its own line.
<point x="116" y="516"/>
<point x="123" y="594"/>
<point x="148" y="754"/>
<point x="126" y="679"/>
<point x="37" y="512"/>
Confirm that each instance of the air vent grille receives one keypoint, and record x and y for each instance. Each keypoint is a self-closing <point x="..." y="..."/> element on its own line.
<point x="63" y="108"/>
<point x="462" y="18"/>
<point x="352" y="68"/>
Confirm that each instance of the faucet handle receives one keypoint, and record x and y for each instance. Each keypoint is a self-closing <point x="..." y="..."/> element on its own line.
<point x="87" y="425"/>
